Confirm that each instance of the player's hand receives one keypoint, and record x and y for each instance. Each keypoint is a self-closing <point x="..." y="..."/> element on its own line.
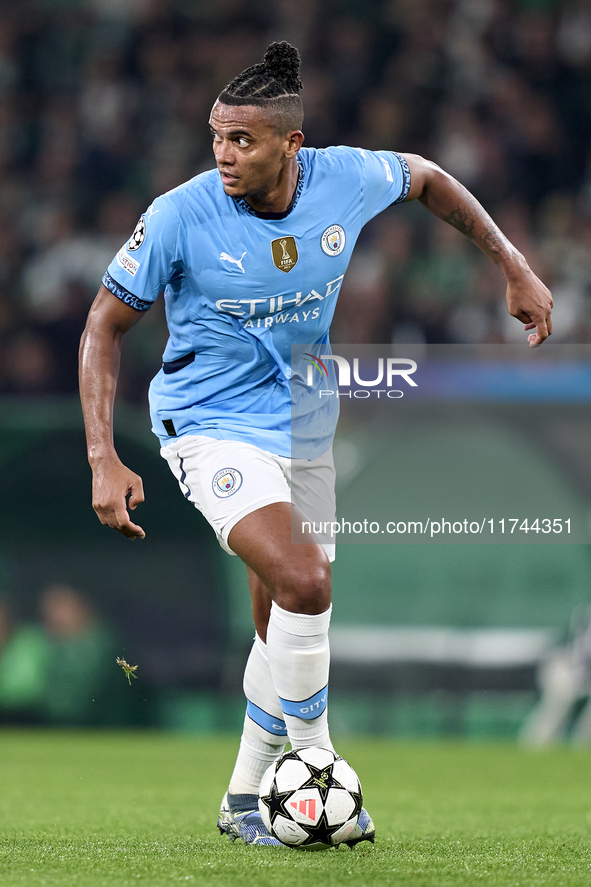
<point x="530" y="301"/>
<point x="112" y="483"/>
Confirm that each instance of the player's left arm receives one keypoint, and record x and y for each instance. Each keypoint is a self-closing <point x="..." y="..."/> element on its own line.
<point x="528" y="298"/>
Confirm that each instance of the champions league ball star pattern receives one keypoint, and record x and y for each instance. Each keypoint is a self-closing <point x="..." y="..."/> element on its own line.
<point x="310" y="798"/>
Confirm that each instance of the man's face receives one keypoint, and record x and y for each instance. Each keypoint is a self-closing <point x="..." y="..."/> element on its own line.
<point x="249" y="152"/>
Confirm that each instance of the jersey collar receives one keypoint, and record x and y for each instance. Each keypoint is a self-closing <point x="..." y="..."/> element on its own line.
<point x="247" y="208"/>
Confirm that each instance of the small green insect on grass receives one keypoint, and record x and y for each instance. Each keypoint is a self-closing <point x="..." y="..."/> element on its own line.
<point x="128" y="669"/>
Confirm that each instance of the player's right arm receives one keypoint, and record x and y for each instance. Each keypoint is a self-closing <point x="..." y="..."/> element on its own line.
<point x="527" y="297"/>
<point x="100" y="350"/>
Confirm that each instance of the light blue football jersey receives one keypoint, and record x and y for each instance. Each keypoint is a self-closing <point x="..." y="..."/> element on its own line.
<point x="241" y="288"/>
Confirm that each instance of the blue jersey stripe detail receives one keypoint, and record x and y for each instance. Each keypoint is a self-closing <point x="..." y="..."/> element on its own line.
<point x="307" y="708"/>
<point x="265" y="720"/>
<point x="123" y="294"/>
<point x="183" y="479"/>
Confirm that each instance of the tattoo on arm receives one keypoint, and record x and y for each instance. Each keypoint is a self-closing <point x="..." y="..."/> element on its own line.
<point x="451" y="202"/>
<point x="493" y="239"/>
<point x="461" y="220"/>
<point x="464" y="221"/>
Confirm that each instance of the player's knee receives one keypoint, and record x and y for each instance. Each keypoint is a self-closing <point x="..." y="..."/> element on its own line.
<point x="306" y="590"/>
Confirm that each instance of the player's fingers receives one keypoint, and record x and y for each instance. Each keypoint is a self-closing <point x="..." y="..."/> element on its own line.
<point x="540" y="335"/>
<point x="542" y="329"/>
<point x="123" y="525"/>
<point x="132" y="531"/>
<point x="118" y="519"/>
<point x="137" y="494"/>
<point x="520" y="314"/>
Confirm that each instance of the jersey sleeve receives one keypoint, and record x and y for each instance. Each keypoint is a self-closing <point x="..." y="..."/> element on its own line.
<point x="149" y="260"/>
<point x="386" y="180"/>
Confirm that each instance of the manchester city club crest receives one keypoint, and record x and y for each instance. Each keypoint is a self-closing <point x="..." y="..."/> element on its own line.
<point x="227" y="482"/>
<point x="333" y="241"/>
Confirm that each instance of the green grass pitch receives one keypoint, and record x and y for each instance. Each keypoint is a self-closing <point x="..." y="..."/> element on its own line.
<point x="115" y="809"/>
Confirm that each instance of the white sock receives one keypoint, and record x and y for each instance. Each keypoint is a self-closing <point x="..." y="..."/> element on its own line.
<point x="299" y="657"/>
<point x="264" y="734"/>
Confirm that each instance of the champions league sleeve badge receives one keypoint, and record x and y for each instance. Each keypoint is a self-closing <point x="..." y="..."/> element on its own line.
<point x="333" y="241"/>
<point x="226" y="482"/>
<point x="138" y="236"/>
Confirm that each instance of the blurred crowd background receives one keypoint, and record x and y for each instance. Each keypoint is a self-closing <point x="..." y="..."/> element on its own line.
<point x="104" y="105"/>
<point x="57" y="668"/>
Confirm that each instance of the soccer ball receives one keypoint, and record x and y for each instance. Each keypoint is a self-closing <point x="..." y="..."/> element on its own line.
<point x="310" y="798"/>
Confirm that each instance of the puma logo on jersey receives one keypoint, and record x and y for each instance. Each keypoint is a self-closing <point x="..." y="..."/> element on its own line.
<point x="226" y="258"/>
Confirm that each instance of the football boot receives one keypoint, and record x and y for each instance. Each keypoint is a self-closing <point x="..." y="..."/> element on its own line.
<point x="239" y="817"/>
<point x="365" y="830"/>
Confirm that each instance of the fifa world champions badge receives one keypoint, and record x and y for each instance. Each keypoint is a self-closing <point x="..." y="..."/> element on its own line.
<point x="285" y="253"/>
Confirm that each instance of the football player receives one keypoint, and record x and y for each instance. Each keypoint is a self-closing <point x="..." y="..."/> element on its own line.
<point x="250" y="257"/>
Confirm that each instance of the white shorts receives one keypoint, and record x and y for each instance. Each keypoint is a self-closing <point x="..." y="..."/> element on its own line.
<point x="228" y="479"/>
